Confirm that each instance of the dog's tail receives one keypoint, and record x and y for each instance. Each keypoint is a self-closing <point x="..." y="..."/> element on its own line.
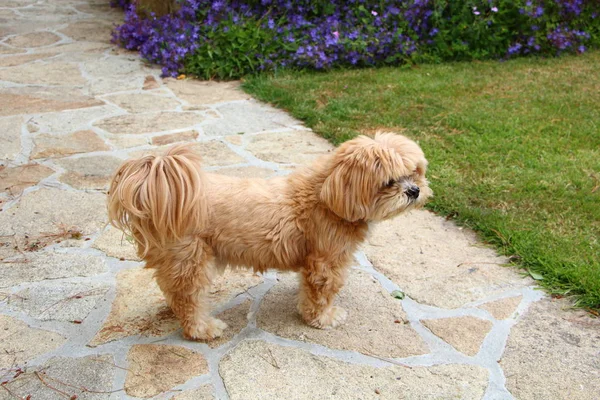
<point x="159" y="199"/>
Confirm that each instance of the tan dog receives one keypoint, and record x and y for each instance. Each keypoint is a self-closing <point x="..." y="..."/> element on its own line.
<point x="187" y="223"/>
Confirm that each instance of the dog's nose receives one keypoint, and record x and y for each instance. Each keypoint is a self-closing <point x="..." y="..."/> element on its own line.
<point x="413" y="192"/>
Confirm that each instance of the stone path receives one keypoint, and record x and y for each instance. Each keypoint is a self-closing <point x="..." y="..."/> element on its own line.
<point x="79" y="316"/>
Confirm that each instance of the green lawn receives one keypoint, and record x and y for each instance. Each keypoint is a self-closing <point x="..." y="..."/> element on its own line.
<point x="514" y="149"/>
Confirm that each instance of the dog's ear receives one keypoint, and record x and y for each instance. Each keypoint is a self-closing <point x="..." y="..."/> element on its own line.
<point x="359" y="167"/>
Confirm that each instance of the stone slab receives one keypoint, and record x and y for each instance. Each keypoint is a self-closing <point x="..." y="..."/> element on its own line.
<point x="51" y="146"/>
<point x="186" y="136"/>
<point x="114" y="243"/>
<point x="247" y="117"/>
<point x="213" y="153"/>
<point x="553" y="352"/>
<point x="106" y="85"/>
<point x="61" y="123"/>
<point x="40" y="266"/>
<point x="33" y="39"/>
<point x="255" y="369"/>
<point x="77" y="48"/>
<point x="140" y="103"/>
<point x="55" y="210"/>
<point x="10" y="50"/>
<point x="202" y="393"/>
<point x="438" y="263"/>
<point x="14" y="180"/>
<point x="49" y="73"/>
<point x="150" y="83"/>
<point x="117" y="68"/>
<point x="503" y="308"/>
<point x="297" y="147"/>
<point x="94" y="30"/>
<point x="149" y="122"/>
<point x="85" y="378"/>
<point x="246" y="172"/>
<point x="10" y="137"/>
<point x="127" y="141"/>
<point x="376" y="324"/>
<point x="196" y="92"/>
<point x="236" y="319"/>
<point x="60" y="301"/>
<point x="156" y="368"/>
<point x="465" y="334"/>
<point x="40" y="99"/>
<point x="93" y="172"/>
<point x="21" y="343"/>
<point x="23" y="59"/>
<point x="140" y="307"/>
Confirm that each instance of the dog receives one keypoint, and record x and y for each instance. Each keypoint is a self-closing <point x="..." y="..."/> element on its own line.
<point x="189" y="224"/>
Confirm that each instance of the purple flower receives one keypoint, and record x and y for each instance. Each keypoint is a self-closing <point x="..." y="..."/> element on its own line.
<point x="374" y="13"/>
<point x="494" y="9"/>
<point x="514" y="49"/>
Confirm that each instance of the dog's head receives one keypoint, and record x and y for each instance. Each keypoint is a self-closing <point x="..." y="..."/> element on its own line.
<point x="374" y="179"/>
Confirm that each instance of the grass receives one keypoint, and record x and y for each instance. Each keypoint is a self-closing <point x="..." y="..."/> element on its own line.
<point x="514" y="149"/>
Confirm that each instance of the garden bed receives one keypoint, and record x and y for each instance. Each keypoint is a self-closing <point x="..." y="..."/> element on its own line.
<point x="229" y="39"/>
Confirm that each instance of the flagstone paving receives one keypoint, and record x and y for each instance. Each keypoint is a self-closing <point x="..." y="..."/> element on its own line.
<point x="79" y="316"/>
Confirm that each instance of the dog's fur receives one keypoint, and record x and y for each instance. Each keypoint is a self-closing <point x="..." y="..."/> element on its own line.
<point x="187" y="224"/>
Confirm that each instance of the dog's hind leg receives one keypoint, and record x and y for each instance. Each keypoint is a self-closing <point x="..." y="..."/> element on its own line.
<point x="319" y="284"/>
<point x="185" y="276"/>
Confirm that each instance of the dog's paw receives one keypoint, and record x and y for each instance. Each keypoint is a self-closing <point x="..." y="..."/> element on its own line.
<point x="331" y="318"/>
<point x="205" y="330"/>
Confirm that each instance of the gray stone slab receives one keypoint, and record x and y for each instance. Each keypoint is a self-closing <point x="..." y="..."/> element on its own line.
<point x="438" y="263"/>
<point x="553" y="353"/>
<point x="39" y="266"/>
<point x="248" y="117"/>
<point x="86" y="378"/>
<point x="10" y="138"/>
<point x="256" y="369"/>
<point x="45" y="213"/>
<point x="376" y="324"/>
<point x="60" y="301"/>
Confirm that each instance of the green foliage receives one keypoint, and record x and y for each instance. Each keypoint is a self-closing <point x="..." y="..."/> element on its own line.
<point x="233" y="49"/>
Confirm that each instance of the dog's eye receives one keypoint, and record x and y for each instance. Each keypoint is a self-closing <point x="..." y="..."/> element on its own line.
<point x="390" y="183"/>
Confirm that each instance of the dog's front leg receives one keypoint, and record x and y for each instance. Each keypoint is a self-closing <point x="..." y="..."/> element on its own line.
<point x="185" y="278"/>
<point x="320" y="281"/>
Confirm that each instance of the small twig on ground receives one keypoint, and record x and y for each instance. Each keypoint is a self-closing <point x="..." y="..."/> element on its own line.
<point x="19" y="261"/>
<point x="91" y="292"/>
<point x="3" y="385"/>
<point x="64" y="232"/>
<point x="177" y="354"/>
<point x="113" y="364"/>
<point x="477" y="262"/>
<point x="273" y="361"/>
<point x="39" y="376"/>
<point x="81" y="388"/>
<point x="386" y="359"/>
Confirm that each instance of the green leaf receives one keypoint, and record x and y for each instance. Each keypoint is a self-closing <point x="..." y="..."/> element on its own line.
<point x="398" y="294"/>
<point x="535" y="275"/>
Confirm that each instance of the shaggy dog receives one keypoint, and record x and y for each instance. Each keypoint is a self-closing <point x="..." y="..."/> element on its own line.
<point x="189" y="224"/>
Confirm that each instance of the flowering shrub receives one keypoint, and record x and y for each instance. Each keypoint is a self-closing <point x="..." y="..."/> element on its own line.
<point x="229" y="38"/>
